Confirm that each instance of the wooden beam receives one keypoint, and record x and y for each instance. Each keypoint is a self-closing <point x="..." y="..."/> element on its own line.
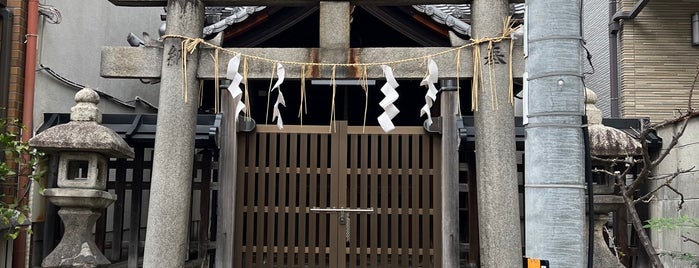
<point x="144" y="3"/>
<point x="140" y="62"/>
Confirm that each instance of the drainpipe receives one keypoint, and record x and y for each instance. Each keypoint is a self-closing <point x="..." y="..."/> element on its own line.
<point x="20" y="245"/>
<point x="5" y="56"/>
<point x="614" y="28"/>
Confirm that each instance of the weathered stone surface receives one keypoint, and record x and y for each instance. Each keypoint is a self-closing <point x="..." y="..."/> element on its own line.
<point x="171" y="178"/>
<point x="96" y="173"/>
<point x="79" y="198"/>
<point x="85" y="108"/>
<point x="607" y="141"/>
<point x="83" y="132"/>
<point x="146" y="63"/>
<point x="602" y="258"/>
<point x="83" y="146"/>
<point x="496" y="158"/>
<point x="76" y="249"/>
<point x="72" y="136"/>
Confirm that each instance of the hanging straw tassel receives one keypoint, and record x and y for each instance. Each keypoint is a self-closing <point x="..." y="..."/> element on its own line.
<point x="247" y="93"/>
<point x="476" y="74"/>
<point x="269" y="92"/>
<point x="458" y="79"/>
<point x="189" y="45"/>
<point x="302" y="103"/>
<point x="217" y="92"/>
<point x="365" y="86"/>
<point x="332" y="108"/>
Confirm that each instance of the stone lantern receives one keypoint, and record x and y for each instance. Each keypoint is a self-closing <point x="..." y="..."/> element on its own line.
<point x="83" y="147"/>
<point x="606" y="142"/>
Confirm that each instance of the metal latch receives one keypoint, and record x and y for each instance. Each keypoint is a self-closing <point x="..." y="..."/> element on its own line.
<point x="344" y="215"/>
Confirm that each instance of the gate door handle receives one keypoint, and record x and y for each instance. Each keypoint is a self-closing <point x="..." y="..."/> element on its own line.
<point x="342" y="210"/>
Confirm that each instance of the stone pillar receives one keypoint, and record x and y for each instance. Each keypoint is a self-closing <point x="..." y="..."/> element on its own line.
<point x="171" y="182"/>
<point x="603" y="258"/>
<point x="496" y="164"/>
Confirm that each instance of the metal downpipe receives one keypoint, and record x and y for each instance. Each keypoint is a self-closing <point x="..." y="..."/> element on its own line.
<point x="614" y="28"/>
<point x="20" y="244"/>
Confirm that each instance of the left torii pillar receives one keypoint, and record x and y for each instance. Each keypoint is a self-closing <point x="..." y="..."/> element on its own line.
<point x="171" y="181"/>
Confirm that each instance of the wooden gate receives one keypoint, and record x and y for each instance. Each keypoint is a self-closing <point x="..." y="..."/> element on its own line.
<point x="303" y="194"/>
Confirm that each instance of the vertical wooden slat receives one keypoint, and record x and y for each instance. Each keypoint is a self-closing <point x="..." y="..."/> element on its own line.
<point x="135" y="218"/>
<point x="241" y="209"/>
<point x="415" y="195"/>
<point x="375" y="194"/>
<point x="473" y="240"/>
<point x="405" y="192"/>
<point x="301" y="231"/>
<point x="271" y="198"/>
<point x="261" y="187"/>
<point x="339" y="196"/>
<point x="51" y="223"/>
<point x="204" y="195"/>
<point x="353" y="182"/>
<point x="383" y="192"/>
<point x="283" y="249"/>
<point x="324" y="202"/>
<point x="427" y="233"/>
<point x="394" y="186"/>
<point x="437" y="195"/>
<point x="118" y="219"/>
<point x="253" y="179"/>
<point x="314" y="252"/>
<point x="363" y="201"/>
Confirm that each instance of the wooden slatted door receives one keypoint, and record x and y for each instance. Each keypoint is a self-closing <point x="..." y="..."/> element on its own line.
<point x="286" y="176"/>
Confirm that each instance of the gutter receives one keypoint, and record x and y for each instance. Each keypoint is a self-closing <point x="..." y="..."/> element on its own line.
<point x="614" y="28"/>
<point x="626" y="15"/>
<point x="20" y="244"/>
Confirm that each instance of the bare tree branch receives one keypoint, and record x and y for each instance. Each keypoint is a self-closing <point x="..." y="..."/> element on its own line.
<point x="638" y="227"/>
<point x="691" y="92"/>
<point x="687" y="239"/>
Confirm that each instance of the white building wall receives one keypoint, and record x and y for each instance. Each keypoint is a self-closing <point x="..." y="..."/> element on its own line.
<point x="72" y="49"/>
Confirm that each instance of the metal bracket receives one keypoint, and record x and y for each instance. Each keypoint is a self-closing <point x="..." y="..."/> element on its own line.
<point x="435" y="128"/>
<point x="246" y="124"/>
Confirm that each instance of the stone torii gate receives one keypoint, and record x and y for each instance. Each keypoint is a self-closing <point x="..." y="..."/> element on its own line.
<point x="170" y="194"/>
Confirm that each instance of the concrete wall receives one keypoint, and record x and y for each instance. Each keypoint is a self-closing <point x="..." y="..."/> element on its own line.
<point x="665" y="202"/>
<point x="72" y="49"/>
<point x="658" y="60"/>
